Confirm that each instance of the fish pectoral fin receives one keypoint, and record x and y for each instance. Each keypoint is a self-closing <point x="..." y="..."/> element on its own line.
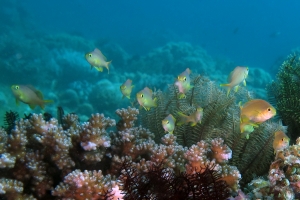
<point x="155" y="102"/>
<point x="244" y="82"/>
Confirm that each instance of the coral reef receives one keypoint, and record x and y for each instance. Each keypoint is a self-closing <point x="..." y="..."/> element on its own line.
<point x="220" y="119"/>
<point x="72" y="160"/>
<point x="283" y="182"/>
<point x="284" y="93"/>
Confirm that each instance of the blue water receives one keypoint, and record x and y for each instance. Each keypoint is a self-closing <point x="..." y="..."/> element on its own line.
<point x="43" y="44"/>
<point x="254" y="33"/>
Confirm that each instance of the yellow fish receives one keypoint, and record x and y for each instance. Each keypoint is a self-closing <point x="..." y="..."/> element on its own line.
<point x="281" y="141"/>
<point x="126" y="88"/>
<point x="255" y="112"/>
<point x="194" y="118"/>
<point x="29" y="95"/>
<point x="238" y="75"/>
<point x="169" y="123"/>
<point x="144" y="98"/>
<point x="183" y="83"/>
<point x="97" y="60"/>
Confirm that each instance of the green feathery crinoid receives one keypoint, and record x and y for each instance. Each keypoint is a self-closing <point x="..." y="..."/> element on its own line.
<point x="221" y="118"/>
<point x="284" y="93"/>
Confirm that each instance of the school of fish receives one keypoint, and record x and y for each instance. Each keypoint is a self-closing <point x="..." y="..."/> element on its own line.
<point x="252" y="113"/>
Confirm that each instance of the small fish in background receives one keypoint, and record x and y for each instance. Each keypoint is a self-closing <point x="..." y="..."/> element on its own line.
<point x="255" y="112"/>
<point x="238" y="75"/>
<point x="193" y="119"/>
<point x="126" y="88"/>
<point x="29" y="95"/>
<point x="145" y="100"/>
<point x="169" y="123"/>
<point x="97" y="60"/>
<point x="183" y="83"/>
<point x="281" y="141"/>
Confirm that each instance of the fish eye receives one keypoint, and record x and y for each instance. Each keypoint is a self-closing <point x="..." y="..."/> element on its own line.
<point x="282" y="139"/>
<point x="90" y="55"/>
<point x="269" y="109"/>
<point x="17" y="87"/>
<point x="184" y="79"/>
<point x="142" y="95"/>
<point x="168" y="122"/>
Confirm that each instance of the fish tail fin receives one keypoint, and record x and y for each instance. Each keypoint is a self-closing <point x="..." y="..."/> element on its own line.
<point x="42" y="105"/>
<point x="182" y="119"/>
<point x="107" y="66"/>
<point x="225" y="85"/>
<point x="155" y="101"/>
<point x="48" y="101"/>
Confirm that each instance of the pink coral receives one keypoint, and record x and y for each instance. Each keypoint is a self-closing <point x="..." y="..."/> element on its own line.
<point x="220" y="151"/>
<point x="90" y="185"/>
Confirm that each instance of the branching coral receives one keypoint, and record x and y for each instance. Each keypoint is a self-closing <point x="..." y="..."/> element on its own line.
<point x="39" y="153"/>
<point x="85" y="185"/>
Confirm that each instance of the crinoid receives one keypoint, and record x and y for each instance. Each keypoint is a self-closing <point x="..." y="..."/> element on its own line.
<point x="9" y="120"/>
<point x="162" y="184"/>
<point x="284" y="93"/>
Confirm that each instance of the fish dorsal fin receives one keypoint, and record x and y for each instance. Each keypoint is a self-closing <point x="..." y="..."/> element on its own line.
<point x="37" y="92"/>
<point x="31" y="87"/>
<point x="99" y="53"/>
<point x="188" y="71"/>
<point x="148" y="90"/>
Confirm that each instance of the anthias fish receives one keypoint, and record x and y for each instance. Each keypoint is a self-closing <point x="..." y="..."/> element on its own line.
<point x="192" y="119"/>
<point x="97" y="60"/>
<point x="169" y="123"/>
<point x="238" y="75"/>
<point x="29" y="95"/>
<point x="183" y="83"/>
<point x="145" y="99"/>
<point x="126" y="88"/>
